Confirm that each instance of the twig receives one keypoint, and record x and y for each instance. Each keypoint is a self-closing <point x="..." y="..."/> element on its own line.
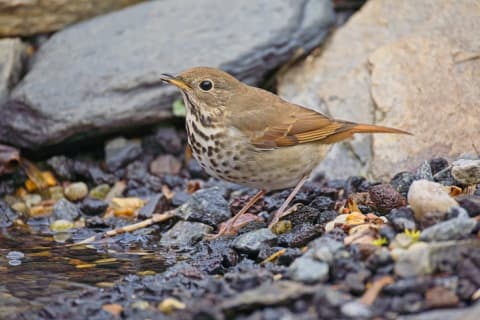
<point x="156" y="218"/>
<point x="371" y="294"/>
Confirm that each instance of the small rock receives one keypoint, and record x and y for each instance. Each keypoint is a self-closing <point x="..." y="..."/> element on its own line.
<point x="32" y="199"/>
<point x="453" y="229"/>
<point x="147" y="211"/>
<point x="100" y="192"/>
<point x="120" y="151"/>
<point x="65" y="210"/>
<point x="166" y="139"/>
<point x="470" y="203"/>
<point x="424" y="172"/>
<point x="165" y="164"/>
<point x="94" y="207"/>
<point x="356" y="280"/>
<point x="402" y="241"/>
<point x="437" y="165"/>
<point x="408" y="285"/>
<point x="356" y="310"/>
<point x="322" y="203"/>
<point x="207" y="206"/>
<point x="300" y="235"/>
<point x="307" y="270"/>
<point x="427" y="196"/>
<point x="184" y="234"/>
<point x="62" y="166"/>
<point x="440" y="297"/>
<point x="385" y="198"/>
<point x="251" y="242"/>
<point x="267" y="294"/>
<point x="76" y="191"/>
<point x="61" y="225"/>
<point x="325" y="249"/>
<point x="7" y="215"/>
<point x="305" y="214"/>
<point x="402" y="219"/>
<point x="423" y="258"/>
<point x="56" y="193"/>
<point x="466" y="171"/>
<point x="402" y="182"/>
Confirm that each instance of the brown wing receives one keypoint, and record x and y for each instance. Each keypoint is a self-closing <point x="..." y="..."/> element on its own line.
<point x="271" y="122"/>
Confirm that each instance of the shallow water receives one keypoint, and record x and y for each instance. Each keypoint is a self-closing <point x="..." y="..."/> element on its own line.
<point x="34" y="268"/>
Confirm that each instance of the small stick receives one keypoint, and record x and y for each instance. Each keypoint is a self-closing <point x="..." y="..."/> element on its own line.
<point x="156" y="218"/>
<point x="371" y="294"/>
<point x="274" y="256"/>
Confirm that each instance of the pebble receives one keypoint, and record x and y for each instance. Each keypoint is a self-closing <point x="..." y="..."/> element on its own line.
<point x="325" y="249"/>
<point x="402" y="182"/>
<point x="61" y="225"/>
<point x="100" y="191"/>
<point x="32" y="199"/>
<point x="470" y="203"/>
<point x="402" y="241"/>
<point x="440" y="297"/>
<point x="453" y="229"/>
<point x="424" y="172"/>
<point x="120" y="152"/>
<point x="150" y="207"/>
<point x="65" y="210"/>
<point x="385" y="198"/>
<point x="62" y="166"/>
<point x="94" y="207"/>
<point x="184" y="234"/>
<point x="437" y="165"/>
<point x="165" y="164"/>
<point x="356" y="310"/>
<point x="308" y="270"/>
<point x="427" y="197"/>
<point x="251" y="242"/>
<point x="56" y="193"/>
<point x="207" y="206"/>
<point x="466" y="171"/>
<point x="402" y="219"/>
<point x="322" y="203"/>
<point x="76" y="191"/>
<point x="300" y="235"/>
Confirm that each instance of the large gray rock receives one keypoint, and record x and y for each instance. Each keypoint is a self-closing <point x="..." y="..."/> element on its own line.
<point x="408" y="64"/>
<point x="12" y="56"/>
<point x="103" y="75"/>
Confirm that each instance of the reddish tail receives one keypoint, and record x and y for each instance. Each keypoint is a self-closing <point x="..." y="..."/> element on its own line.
<point x="369" y="128"/>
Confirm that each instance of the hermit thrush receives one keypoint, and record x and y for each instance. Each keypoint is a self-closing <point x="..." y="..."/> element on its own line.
<point x="252" y="137"/>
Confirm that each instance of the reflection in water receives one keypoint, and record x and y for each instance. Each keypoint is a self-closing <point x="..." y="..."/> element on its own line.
<point x="33" y="268"/>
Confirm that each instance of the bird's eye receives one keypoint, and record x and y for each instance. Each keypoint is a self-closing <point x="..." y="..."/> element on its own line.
<point x="206" y="85"/>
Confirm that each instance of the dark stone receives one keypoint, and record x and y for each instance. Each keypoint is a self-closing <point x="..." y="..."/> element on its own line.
<point x="62" y="167"/>
<point x="322" y="203"/>
<point x="98" y="176"/>
<point x="438" y="164"/>
<point x="424" y="172"/>
<point x="356" y="280"/>
<point x="93" y="207"/>
<point x="7" y="215"/>
<point x="179" y="198"/>
<point x="408" y="285"/>
<point x="402" y="181"/>
<point x="385" y="198"/>
<point x="95" y="222"/>
<point x="300" y="235"/>
<point x="465" y="289"/>
<point x="408" y="303"/>
<point x="470" y="203"/>
<point x="164" y="140"/>
<point x="356" y="184"/>
<point x="305" y="214"/>
<point x="119" y="152"/>
<point x="453" y="229"/>
<point x="402" y="219"/>
<point x="251" y="242"/>
<point x="109" y="88"/>
<point x="207" y="206"/>
<point x="150" y="207"/>
<point x="387" y="232"/>
<point x="137" y="171"/>
<point x="184" y="234"/>
<point x="285" y="259"/>
<point x="327" y="216"/>
<point x="65" y="210"/>
<point x="196" y="171"/>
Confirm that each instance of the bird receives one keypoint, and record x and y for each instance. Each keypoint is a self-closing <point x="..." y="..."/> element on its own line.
<point x="252" y="137"/>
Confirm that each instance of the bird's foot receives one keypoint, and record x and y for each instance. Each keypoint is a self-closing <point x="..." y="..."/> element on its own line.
<point x="283" y="208"/>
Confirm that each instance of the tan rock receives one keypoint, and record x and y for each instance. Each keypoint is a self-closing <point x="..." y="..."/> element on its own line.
<point x="28" y="17"/>
<point x="408" y="64"/>
<point x="12" y="57"/>
<point x="426" y="197"/>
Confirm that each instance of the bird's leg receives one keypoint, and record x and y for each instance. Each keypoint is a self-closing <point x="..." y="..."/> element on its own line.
<point x="228" y="227"/>
<point x="279" y="214"/>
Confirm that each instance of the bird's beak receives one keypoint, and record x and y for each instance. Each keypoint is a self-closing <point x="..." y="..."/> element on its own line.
<point x="175" y="81"/>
